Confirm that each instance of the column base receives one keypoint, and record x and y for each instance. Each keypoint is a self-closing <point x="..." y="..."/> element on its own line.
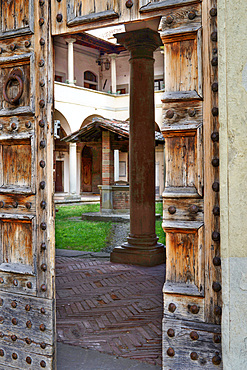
<point x="132" y="255"/>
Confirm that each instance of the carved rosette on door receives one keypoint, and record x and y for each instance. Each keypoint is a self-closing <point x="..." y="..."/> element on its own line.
<point x="26" y="215"/>
<point x="192" y="300"/>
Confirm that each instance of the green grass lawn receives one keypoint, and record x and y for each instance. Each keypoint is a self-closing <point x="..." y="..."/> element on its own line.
<point x="87" y="235"/>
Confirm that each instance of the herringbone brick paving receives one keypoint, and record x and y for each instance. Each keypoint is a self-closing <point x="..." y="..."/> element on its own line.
<point x="113" y="308"/>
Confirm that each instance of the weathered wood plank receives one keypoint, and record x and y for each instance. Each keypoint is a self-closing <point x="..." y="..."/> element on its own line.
<point x="160" y="5"/>
<point x="186" y="115"/>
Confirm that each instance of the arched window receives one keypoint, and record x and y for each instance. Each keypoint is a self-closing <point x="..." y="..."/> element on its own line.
<point x="90" y="80"/>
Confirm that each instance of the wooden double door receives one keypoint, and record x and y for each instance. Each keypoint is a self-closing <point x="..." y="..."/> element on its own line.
<point x="192" y="292"/>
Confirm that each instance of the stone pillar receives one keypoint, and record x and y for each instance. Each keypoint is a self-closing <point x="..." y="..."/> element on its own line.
<point x="142" y="247"/>
<point x="71" y="75"/>
<point x="113" y="73"/>
<point x="116" y="165"/>
<point x="107" y="173"/>
<point x="72" y="169"/>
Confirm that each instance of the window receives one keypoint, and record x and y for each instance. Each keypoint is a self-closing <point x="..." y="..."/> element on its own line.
<point x="90" y="80"/>
<point x="158" y="84"/>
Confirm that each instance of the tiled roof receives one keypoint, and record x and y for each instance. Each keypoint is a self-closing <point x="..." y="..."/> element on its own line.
<point x="91" y="129"/>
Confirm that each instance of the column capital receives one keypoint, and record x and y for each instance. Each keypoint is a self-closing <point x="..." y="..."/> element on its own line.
<point x="141" y="43"/>
<point x="70" y="40"/>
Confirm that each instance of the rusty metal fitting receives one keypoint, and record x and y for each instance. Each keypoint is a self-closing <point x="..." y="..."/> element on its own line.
<point x="217" y="311"/>
<point x="192" y="15"/>
<point x="1" y="280"/>
<point x="194" y="356"/>
<point x="169" y="19"/>
<point x="42" y="327"/>
<point x="216" y="360"/>
<point x="28" y="205"/>
<point x="1" y="352"/>
<point x="217" y="338"/>
<point x="13" y="47"/>
<point x="14" y="321"/>
<point x="193" y="209"/>
<point x="214" y="61"/>
<point x="216" y="261"/>
<point x="214" y="86"/>
<point x="42" y="83"/>
<point x="43" y="345"/>
<point x="42" y="310"/>
<point x="42" y="163"/>
<point x="14" y="126"/>
<point x="216" y="186"/>
<point x="129" y="4"/>
<point x="43" y="226"/>
<point x="28" y="360"/>
<point x="27" y="44"/>
<point x="41" y="63"/>
<point x="43" y="267"/>
<point x="42" y="41"/>
<point x="194" y="309"/>
<point x="215" y="162"/>
<point x="42" y="363"/>
<point x="215" y="111"/>
<point x="213" y="12"/>
<point x="192" y="112"/>
<point x="41" y="2"/>
<point x="172" y="210"/>
<point x="194" y="335"/>
<point x="43" y="288"/>
<point x="172" y="307"/>
<point x="215" y="137"/>
<point x="28" y="324"/>
<point x="2" y="204"/>
<point x="43" y="204"/>
<point x="216" y="236"/>
<point x="42" y="144"/>
<point x="13" y="304"/>
<point x="28" y="340"/>
<point x="13" y="337"/>
<point x="170" y="333"/>
<point x="170" y="113"/>
<point x="59" y="18"/>
<point x="14" y="356"/>
<point x="42" y="185"/>
<point x="42" y="103"/>
<point x="1" y="302"/>
<point x="28" y="124"/>
<point x="43" y="247"/>
<point x="15" y="205"/>
<point x="42" y="123"/>
<point x="216" y="287"/>
<point x="41" y="21"/>
<point x="27" y="307"/>
<point x="29" y="285"/>
<point x="170" y="352"/>
<point x="214" y="36"/>
<point x="15" y="282"/>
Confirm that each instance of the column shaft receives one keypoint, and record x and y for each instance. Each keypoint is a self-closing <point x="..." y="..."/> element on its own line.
<point x="71" y="75"/>
<point x="142" y="247"/>
<point x="72" y="168"/>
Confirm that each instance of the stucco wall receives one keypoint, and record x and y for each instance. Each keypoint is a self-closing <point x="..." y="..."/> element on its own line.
<point x="232" y="40"/>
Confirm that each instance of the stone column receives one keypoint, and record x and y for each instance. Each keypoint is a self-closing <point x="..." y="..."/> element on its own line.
<point x="142" y="247"/>
<point x="107" y="174"/>
<point x="72" y="169"/>
<point x="113" y="73"/>
<point x="116" y="165"/>
<point x="71" y="75"/>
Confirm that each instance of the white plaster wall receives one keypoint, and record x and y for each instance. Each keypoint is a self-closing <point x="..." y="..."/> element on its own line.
<point x="232" y="40"/>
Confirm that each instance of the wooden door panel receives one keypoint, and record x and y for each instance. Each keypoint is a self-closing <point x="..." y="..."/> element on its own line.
<point x="17" y="17"/>
<point x="87" y="174"/>
<point x="82" y="12"/>
<point x="26" y="209"/>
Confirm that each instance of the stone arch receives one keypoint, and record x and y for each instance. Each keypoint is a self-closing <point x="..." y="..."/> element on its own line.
<point x="89" y="119"/>
<point x="63" y="121"/>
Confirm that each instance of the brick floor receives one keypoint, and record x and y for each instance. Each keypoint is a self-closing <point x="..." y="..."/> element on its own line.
<point x="113" y="308"/>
